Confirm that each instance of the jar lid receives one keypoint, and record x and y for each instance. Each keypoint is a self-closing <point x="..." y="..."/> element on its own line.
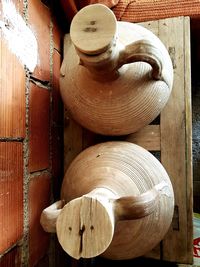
<point x="93" y="29"/>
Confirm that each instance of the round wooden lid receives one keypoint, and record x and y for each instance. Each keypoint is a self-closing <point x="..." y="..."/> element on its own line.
<point x="93" y="29"/>
<point x="85" y="227"/>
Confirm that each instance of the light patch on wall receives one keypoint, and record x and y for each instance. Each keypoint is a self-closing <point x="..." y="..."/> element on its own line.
<point x="21" y="40"/>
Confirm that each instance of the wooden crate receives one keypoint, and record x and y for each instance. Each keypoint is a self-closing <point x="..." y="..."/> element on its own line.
<point x="171" y="137"/>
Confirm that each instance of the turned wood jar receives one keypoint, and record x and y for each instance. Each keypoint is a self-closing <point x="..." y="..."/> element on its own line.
<point x="115" y="76"/>
<point x="117" y="201"/>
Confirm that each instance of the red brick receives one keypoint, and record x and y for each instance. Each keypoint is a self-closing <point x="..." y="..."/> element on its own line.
<point x="39" y="21"/>
<point x="12" y="94"/>
<point x="57" y="108"/>
<point x="39" y="128"/>
<point x="11" y="259"/>
<point x="11" y="194"/>
<point x="39" y="199"/>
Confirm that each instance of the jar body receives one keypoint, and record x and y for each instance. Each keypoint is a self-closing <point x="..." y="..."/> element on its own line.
<point x="124" y="169"/>
<point x="122" y="102"/>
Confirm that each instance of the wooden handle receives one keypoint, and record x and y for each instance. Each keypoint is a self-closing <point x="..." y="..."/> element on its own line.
<point x="49" y="216"/>
<point x="135" y="207"/>
<point x="146" y="51"/>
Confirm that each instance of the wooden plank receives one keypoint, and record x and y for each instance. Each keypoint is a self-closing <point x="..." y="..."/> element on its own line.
<point x="188" y="150"/>
<point x="72" y="140"/>
<point x="148" y="137"/>
<point x="151" y="25"/>
<point x="89" y="138"/>
<point x="175" y="145"/>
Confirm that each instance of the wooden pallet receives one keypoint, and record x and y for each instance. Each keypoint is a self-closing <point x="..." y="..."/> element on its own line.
<point x="171" y="137"/>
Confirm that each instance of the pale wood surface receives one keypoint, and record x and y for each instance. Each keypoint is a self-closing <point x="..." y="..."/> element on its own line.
<point x="72" y="140"/>
<point x="188" y="141"/>
<point x="93" y="29"/>
<point x="81" y="227"/>
<point x="148" y="137"/>
<point x="175" y="139"/>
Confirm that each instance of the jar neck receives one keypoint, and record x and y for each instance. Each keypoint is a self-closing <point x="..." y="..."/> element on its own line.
<point x="103" y="65"/>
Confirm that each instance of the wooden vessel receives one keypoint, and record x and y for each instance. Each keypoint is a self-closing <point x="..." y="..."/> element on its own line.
<point x="116" y="201"/>
<point x="116" y="76"/>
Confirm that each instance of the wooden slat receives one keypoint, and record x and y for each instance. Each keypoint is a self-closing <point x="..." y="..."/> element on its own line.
<point x="188" y="141"/>
<point x="72" y="140"/>
<point x="151" y="25"/>
<point x="148" y="137"/>
<point x="175" y="127"/>
<point x="173" y="145"/>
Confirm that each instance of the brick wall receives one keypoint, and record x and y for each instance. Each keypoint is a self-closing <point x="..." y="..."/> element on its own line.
<point x="30" y="137"/>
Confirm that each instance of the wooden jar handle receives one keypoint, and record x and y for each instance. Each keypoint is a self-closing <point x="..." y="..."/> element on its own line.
<point x="49" y="216"/>
<point x="135" y="207"/>
<point x="85" y="225"/>
<point x="146" y="51"/>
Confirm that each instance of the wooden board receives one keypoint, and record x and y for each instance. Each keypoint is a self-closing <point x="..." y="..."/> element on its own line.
<point x="171" y="137"/>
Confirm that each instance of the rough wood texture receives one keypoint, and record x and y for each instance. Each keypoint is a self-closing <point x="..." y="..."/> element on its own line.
<point x="148" y="137"/>
<point x="175" y="140"/>
<point x="176" y="157"/>
<point x="97" y="29"/>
